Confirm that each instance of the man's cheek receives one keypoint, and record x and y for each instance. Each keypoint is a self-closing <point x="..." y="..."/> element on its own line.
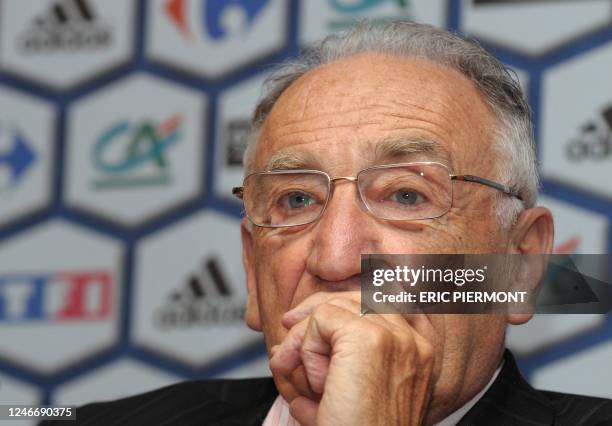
<point x="432" y="236"/>
<point x="277" y="284"/>
<point x="282" y="266"/>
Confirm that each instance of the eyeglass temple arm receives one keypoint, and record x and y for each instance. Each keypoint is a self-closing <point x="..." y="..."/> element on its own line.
<point x="238" y="192"/>
<point x="487" y="182"/>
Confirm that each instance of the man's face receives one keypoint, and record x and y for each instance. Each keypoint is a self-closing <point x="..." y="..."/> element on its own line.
<point x="333" y="119"/>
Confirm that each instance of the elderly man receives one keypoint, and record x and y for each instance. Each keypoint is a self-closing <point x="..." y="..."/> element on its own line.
<point x="338" y="124"/>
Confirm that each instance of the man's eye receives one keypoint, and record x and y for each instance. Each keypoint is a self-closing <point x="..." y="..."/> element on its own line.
<point x="408" y="197"/>
<point x="298" y="200"/>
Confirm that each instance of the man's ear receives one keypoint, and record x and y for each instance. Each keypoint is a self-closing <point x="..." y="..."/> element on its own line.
<point x="533" y="234"/>
<point x="252" y="317"/>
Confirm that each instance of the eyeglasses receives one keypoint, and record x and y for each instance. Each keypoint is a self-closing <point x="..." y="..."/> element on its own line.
<point x="394" y="192"/>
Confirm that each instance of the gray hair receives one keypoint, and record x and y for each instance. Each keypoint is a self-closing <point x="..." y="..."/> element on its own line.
<point x="513" y="143"/>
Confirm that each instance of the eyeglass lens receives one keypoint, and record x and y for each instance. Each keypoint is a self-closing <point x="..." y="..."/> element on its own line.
<point x="406" y="192"/>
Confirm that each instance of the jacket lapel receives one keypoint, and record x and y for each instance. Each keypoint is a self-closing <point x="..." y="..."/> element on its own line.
<point x="510" y="401"/>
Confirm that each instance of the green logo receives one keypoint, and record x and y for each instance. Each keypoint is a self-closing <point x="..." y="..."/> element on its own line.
<point x="352" y="11"/>
<point x="135" y="156"/>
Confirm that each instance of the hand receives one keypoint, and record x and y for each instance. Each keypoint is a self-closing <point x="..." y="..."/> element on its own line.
<point x="364" y="370"/>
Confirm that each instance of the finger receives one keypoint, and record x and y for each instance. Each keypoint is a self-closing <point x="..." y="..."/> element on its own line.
<point x="291" y="354"/>
<point x="300" y="382"/>
<point x="394" y="322"/>
<point x="304" y="411"/>
<point x="327" y="326"/>
<point x="286" y="357"/>
<point x="350" y="300"/>
<point x="315" y="355"/>
<point x="423" y="388"/>
<point x="305" y="308"/>
<point x="327" y="322"/>
<point x="273" y="350"/>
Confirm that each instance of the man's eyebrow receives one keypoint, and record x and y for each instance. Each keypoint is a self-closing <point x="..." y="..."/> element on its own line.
<point x="387" y="149"/>
<point x="285" y="160"/>
<point x="398" y="147"/>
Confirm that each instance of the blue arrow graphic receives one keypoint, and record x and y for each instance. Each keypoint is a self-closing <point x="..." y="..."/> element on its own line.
<point x="19" y="159"/>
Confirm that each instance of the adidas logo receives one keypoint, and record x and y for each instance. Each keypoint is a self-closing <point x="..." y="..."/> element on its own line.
<point x="595" y="139"/>
<point x="205" y="299"/>
<point x="68" y="25"/>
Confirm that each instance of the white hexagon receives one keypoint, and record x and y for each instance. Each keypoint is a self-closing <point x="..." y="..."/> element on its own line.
<point x="119" y="379"/>
<point x="135" y="149"/>
<point x="190" y="290"/>
<point x="577" y="231"/>
<point x="585" y="373"/>
<point x="212" y="37"/>
<point x="62" y="43"/>
<point x="236" y="107"/>
<point x="13" y="391"/>
<point x="27" y="129"/>
<point x="533" y="26"/>
<point x="58" y="306"/>
<point x="577" y="122"/>
<point x="319" y="18"/>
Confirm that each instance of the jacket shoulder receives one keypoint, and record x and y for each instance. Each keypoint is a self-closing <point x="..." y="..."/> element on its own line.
<point x="580" y="409"/>
<point x="512" y="401"/>
<point x="185" y="403"/>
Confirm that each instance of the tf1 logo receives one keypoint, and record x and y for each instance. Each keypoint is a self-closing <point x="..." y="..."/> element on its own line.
<point x="60" y="296"/>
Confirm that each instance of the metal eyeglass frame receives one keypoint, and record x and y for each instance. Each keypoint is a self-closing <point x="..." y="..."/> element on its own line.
<point x="238" y="191"/>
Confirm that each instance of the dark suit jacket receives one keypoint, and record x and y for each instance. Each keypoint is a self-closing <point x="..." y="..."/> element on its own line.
<point x="509" y="401"/>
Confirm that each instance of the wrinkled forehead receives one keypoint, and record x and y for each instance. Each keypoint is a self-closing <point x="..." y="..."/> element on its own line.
<point x="373" y="108"/>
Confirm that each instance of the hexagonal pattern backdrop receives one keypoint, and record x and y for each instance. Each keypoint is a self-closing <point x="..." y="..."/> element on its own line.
<point x="122" y="127"/>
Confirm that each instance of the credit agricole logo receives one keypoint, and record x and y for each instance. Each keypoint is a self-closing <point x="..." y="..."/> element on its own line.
<point x="347" y="12"/>
<point x="132" y="155"/>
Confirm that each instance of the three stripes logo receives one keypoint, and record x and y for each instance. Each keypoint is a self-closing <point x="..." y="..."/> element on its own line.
<point x="67" y="26"/>
<point x="205" y="299"/>
<point x="595" y="139"/>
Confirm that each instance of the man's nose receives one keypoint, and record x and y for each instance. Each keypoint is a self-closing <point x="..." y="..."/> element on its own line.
<point x="341" y="235"/>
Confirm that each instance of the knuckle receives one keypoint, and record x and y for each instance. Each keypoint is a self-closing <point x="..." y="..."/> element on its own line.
<point x="336" y="300"/>
<point x="375" y="337"/>
<point x="303" y="352"/>
<point x="324" y="310"/>
<point x="315" y="298"/>
<point x="426" y="351"/>
<point x="406" y="340"/>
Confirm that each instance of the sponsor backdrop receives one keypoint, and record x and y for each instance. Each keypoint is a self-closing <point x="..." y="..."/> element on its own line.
<point x="122" y="126"/>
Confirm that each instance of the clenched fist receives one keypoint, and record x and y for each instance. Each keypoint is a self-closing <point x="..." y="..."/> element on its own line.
<point x="360" y="369"/>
